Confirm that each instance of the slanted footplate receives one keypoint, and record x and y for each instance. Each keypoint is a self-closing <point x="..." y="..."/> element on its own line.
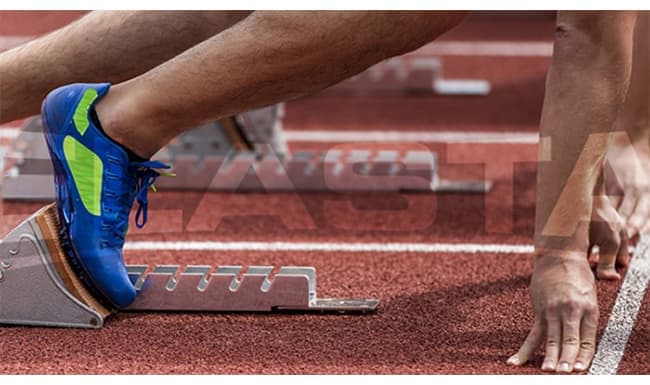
<point x="233" y="288"/>
<point x="38" y="287"/>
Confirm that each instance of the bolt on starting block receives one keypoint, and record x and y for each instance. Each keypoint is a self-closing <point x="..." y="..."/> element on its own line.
<point x="38" y="286"/>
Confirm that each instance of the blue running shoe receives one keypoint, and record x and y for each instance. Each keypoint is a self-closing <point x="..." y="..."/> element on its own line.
<point x="96" y="185"/>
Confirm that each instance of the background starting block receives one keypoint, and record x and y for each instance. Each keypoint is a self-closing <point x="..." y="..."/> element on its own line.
<point x="204" y="159"/>
<point x="412" y="74"/>
<point x="212" y="158"/>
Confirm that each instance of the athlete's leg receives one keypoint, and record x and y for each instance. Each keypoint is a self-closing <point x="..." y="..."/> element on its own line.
<point x="629" y="152"/>
<point x="102" y="46"/>
<point x="268" y="57"/>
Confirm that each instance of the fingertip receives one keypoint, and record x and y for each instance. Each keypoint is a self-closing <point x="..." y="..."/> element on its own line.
<point x="548" y="366"/>
<point x="564" y="367"/>
<point x="514" y="360"/>
<point x="579" y="366"/>
<point x="608" y="274"/>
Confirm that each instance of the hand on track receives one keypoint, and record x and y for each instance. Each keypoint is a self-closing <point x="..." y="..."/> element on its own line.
<point x="564" y="301"/>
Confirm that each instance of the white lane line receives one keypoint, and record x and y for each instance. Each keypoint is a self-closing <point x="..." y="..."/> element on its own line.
<point x="324" y="246"/>
<point x="411" y="136"/>
<point x="9" y="132"/>
<point x="489" y="48"/>
<point x="623" y="316"/>
<point x="3" y="150"/>
<point x="335" y="136"/>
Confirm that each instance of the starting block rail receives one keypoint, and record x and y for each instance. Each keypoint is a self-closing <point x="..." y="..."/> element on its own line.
<point x="37" y="287"/>
<point x="233" y="288"/>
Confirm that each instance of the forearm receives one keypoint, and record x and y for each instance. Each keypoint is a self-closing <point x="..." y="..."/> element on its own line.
<point x="101" y="46"/>
<point x="271" y="57"/>
<point x="585" y="89"/>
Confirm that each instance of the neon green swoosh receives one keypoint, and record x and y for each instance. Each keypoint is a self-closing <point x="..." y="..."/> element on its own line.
<point x="87" y="172"/>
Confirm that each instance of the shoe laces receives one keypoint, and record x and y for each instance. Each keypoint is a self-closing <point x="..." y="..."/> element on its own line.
<point x="146" y="174"/>
<point x="136" y="183"/>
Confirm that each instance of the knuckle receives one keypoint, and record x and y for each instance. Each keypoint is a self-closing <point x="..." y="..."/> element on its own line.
<point x="567" y="309"/>
<point x="572" y="322"/>
<point x="552" y="308"/>
<point x="552" y="342"/>
<point x="572" y="307"/>
<point x="570" y="341"/>
<point x="607" y="264"/>
<point x="552" y="313"/>
<point x="587" y="345"/>
<point x="591" y="308"/>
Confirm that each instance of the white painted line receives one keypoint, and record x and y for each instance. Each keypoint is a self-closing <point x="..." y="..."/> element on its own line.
<point x="623" y="316"/>
<point x="9" y="132"/>
<point x="3" y="150"/>
<point x="331" y="136"/>
<point x="488" y="48"/>
<point x="328" y="247"/>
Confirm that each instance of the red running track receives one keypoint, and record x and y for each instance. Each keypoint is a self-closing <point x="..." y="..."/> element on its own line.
<point x="440" y="312"/>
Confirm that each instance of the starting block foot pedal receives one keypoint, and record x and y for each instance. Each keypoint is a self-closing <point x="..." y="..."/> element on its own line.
<point x="38" y="287"/>
<point x="37" y="284"/>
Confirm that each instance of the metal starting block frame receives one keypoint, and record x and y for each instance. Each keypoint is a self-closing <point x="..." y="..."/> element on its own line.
<point x="34" y="292"/>
<point x="234" y="289"/>
<point x="412" y="74"/>
<point x="200" y="164"/>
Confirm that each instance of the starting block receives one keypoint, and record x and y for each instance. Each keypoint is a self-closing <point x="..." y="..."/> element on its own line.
<point x="38" y="286"/>
<point x="207" y="159"/>
<point x="411" y="74"/>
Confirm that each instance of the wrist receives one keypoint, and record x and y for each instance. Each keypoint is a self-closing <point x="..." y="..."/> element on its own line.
<point x="574" y="243"/>
<point x="546" y="254"/>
